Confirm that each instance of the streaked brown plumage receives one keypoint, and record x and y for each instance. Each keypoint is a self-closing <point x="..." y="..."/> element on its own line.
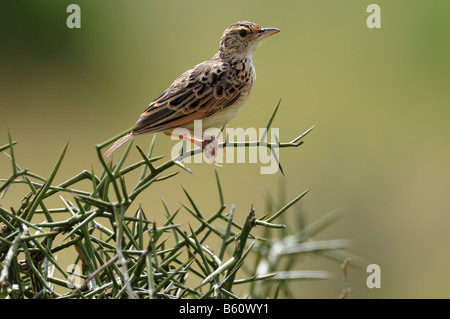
<point x="212" y="91"/>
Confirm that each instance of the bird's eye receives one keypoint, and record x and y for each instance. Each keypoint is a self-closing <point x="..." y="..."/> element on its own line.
<point x="242" y="33"/>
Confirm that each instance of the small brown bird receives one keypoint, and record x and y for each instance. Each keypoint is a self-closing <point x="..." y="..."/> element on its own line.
<point x="212" y="91"/>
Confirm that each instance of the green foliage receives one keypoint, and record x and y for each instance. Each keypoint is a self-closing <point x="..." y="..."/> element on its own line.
<point x="119" y="253"/>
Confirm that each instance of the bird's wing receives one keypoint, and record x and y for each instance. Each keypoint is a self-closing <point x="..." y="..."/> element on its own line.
<point x="196" y="94"/>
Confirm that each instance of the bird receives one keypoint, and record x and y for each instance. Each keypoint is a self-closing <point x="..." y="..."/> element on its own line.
<point x="212" y="91"/>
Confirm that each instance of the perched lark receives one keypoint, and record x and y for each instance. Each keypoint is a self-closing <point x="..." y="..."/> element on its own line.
<point x="212" y="91"/>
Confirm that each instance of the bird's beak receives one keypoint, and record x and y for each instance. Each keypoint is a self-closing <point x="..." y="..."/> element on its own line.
<point x="266" y="32"/>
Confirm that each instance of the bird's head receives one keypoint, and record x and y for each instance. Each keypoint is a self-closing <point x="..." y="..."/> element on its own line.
<point x="242" y="38"/>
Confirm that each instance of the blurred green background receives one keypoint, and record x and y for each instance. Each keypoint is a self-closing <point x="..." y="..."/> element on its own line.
<point x="379" y="98"/>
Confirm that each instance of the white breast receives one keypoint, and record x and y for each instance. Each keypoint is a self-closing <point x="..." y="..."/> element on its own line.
<point x="222" y="117"/>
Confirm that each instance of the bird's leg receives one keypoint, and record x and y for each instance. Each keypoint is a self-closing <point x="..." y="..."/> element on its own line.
<point x="189" y="139"/>
<point x="208" y="144"/>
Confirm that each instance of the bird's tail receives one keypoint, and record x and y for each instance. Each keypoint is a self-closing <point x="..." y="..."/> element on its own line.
<point x="117" y="144"/>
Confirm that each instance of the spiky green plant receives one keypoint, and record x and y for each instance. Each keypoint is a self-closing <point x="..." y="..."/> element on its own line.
<point x="118" y="253"/>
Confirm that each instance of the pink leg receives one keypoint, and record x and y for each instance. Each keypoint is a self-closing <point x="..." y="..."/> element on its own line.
<point x="208" y="144"/>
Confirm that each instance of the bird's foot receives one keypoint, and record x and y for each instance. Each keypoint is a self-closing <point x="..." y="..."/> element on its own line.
<point x="208" y="144"/>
